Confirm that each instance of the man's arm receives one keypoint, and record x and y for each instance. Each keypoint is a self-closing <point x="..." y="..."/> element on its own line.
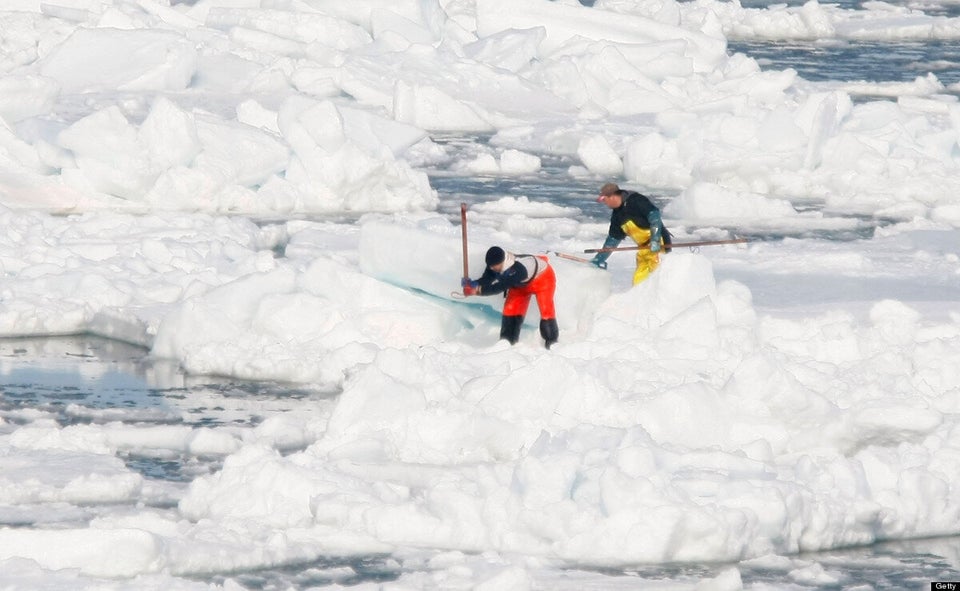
<point x="600" y="259"/>
<point x="656" y="229"/>
<point x="492" y="283"/>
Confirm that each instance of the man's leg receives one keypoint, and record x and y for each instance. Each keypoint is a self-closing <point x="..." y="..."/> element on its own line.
<point x="514" y="309"/>
<point x="545" y="285"/>
<point x="549" y="331"/>
<point x="510" y="328"/>
<point x="647" y="262"/>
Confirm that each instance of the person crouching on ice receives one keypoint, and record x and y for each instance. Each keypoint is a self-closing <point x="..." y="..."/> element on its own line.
<point x="520" y="276"/>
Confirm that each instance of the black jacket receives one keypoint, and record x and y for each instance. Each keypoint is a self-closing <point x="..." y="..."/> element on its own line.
<point x="636" y="208"/>
<point x="519" y="273"/>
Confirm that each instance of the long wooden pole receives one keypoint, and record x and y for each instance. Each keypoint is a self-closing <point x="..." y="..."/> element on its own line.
<point x="671" y="246"/>
<point x="569" y="257"/>
<point x="463" y="235"/>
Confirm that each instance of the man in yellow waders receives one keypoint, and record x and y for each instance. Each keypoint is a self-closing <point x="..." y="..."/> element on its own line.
<point x="633" y="215"/>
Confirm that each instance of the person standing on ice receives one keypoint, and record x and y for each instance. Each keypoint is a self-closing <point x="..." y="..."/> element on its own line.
<point x="520" y="276"/>
<point x="633" y="215"/>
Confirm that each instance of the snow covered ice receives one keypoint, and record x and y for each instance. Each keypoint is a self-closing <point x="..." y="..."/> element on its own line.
<point x="240" y="186"/>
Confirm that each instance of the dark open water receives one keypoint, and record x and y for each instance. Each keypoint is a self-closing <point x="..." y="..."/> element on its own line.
<point x="868" y="61"/>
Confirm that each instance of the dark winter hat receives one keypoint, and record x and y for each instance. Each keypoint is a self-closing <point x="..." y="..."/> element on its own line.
<point x="495" y="256"/>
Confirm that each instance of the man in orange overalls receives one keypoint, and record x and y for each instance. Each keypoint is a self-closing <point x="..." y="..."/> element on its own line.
<point x="520" y="276"/>
<point x="633" y="215"/>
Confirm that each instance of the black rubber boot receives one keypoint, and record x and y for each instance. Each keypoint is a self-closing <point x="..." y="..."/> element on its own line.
<point x="510" y="328"/>
<point x="549" y="331"/>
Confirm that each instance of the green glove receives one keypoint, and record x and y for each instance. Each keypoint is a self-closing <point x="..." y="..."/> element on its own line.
<point x="600" y="260"/>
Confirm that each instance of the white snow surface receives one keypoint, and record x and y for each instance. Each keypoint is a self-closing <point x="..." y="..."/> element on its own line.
<point x="176" y="175"/>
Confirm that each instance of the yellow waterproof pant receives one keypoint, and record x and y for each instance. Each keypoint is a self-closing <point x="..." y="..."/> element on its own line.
<point x="647" y="260"/>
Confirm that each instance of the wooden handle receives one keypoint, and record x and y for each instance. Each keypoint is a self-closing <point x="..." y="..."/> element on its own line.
<point x="463" y="235"/>
<point x="671" y="246"/>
